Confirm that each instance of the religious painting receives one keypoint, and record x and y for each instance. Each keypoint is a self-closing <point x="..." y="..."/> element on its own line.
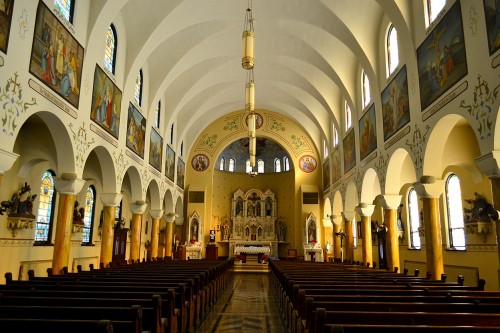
<point x="349" y="151"/>
<point x="336" y="172"/>
<point x="441" y="58"/>
<point x="56" y="56"/>
<point x="136" y="130"/>
<point x="395" y="104"/>
<point x="106" y="103"/>
<point x="155" y="149"/>
<point x="6" y="7"/>
<point x="367" y="133"/>
<point x="326" y="174"/>
<point x="170" y="163"/>
<point x="307" y="163"/>
<point x="258" y="120"/>
<point x="492" y="18"/>
<point x="181" y="171"/>
<point x="200" y="162"/>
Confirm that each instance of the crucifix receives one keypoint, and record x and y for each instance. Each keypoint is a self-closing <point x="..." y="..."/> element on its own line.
<point x="341" y="234"/>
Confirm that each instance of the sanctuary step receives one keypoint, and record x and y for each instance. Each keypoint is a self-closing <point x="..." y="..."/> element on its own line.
<point x="251" y="265"/>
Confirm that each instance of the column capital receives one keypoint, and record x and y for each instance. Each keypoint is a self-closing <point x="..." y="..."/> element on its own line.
<point x="68" y="183"/>
<point x="365" y="209"/>
<point x="156" y="213"/>
<point x="7" y="159"/>
<point x="390" y="201"/>
<point x="336" y="219"/>
<point x="170" y="217"/>
<point x="111" y="199"/>
<point x="348" y="215"/>
<point x="489" y="164"/>
<point x="429" y="187"/>
<point x="138" y="207"/>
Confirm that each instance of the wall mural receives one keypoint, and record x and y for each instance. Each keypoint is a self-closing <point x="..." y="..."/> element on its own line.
<point x="441" y="58"/>
<point x="81" y="143"/>
<point x="307" y="163"/>
<point x="336" y="170"/>
<point x="349" y="151"/>
<point x="106" y="103"/>
<point x="6" y="8"/>
<point x="326" y="174"/>
<point x="367" y="133"/>
<point x="417" y="146"/>
<point x="381" y="167"/>
<point x="181" y="171"/>
<point x="121" y="165"/>
<point x="56" y="56"/>
<point x="136" y="130"/>
<point x="155" y="149"/>
<point x="200" y="162"/>
<point x="491" y="12"/>
<point x="395" y="104"/>
<point x="232" y="123"/>
<point x="170" y="163"/>
<point x="258" y="120"/>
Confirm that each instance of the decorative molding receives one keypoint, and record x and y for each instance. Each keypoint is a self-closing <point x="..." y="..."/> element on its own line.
<point x="134" y="157"/>
<point x="19" y="223"/>
<point x="381" y="167"/>
<point x="154" y="171"/>
<point x="300" y="144"/>
<point x="121" y="164"/>
<point x="482" y="107"/>
<point x="397" y="137"/>
<point x="10" y="242"/>
<point x="23" y="24"/>
<point x="145" y="179"/>
<point x="207" y="143"/>
<point x="81" y="143"/>
<point x="276" y="123"/>
<point x="103" y="135"/>
<point x="479" y="228"/>
<point x="349" y="174"/>
<point x="417" y="146"/>
<point x="481" y="248"/>
<point x="370" y="158"/>
<point x="495" y="61"/>
<point x="473" y="20"/>
<point x="445" y="100"/>
<point x="358" y="179"/>
<point x="13" y="105"/>
<point x="64" y="21"/>
<point x="51" y="98"/>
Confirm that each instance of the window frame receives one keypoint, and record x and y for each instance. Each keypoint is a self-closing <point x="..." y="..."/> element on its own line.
<point x="157" y="115"/>
<point x="232" y="165"/>
<point x="452" y="225"/>
<point x="92" y="215"/>
<point x="365" y="88"/>
<point x="53" y="199"/>
<point x="222" y="164"/>
<point x="411" y="225"/>
<point x="391" y="50"/>
<point x="138" y="88"/>
<point x="115" y="47"/>
<point x="277" y="165"/>
<point x="71" y="10"/>
<point x="347" y="116"/>
<point x="429" y="17"/>
<point x="260" y="162"/>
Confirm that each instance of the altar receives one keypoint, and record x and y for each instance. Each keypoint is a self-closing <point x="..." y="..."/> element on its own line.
<point x="252" y="250"/>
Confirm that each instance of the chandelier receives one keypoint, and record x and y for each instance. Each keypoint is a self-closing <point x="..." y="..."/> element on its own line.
<point x="247" y="62"/>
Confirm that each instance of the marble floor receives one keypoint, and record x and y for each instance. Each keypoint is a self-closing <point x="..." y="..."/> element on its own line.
<point x="247" y="305"/>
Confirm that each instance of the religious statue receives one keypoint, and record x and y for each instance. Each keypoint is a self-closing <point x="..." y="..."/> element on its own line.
<point x="239" y="207"/>
<point x="21" y="204"/>
<point x="311" y="232"/>
<point x="269" y="206"/>
<point x="481" y="210"/>
<point x="225" y="231"/>
<point x="281" y="227"/>
<point x="78" y="214"/>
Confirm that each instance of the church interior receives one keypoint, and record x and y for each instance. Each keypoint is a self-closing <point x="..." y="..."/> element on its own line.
<point x="256" y="132"/>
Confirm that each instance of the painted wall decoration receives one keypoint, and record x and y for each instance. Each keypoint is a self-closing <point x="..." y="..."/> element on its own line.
<point x="106" y="103"/>
<point x="367" y="133"/>
<point x="136" y="130"/>
<point x="6" y="7"/>
<point x="336" y="170"/>
<point x="441" y="58"/>
<point x="491" y="14"/>
<point x="56" y="56"/>
<point x="307" y="163"/>
<point x="155" y="149"/>
<point x="170" y="163"/>
<point x="181" y="171"/>
<point x="395" y="104"/>
<point x="200" y="162"/>
<point x="326" y="174"/>
<point x="258" y="120"/>
<point x="349" y="151"/>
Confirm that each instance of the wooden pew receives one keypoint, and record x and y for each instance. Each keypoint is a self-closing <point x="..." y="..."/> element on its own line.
<point x="27" y="325"/>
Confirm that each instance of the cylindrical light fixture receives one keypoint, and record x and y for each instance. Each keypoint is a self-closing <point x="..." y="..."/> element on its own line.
<point x="252" y="145"/>
<point x="248" y="38"/>
<point x="252" y="161"/>
<point x="251" y="124"/>
<point x="250" y="96"/>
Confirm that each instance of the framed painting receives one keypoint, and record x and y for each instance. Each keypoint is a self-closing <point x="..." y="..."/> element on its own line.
<point x="155" y="149"/>
<point x="56" y="56"/>
<point x="367" y="133"/>
<point x="441" y="58"/>
<point x="136" y="130"/>
<point x="6" y="7"/>
<point x="170" y="163"/>
<point x="349" y="151"/>
<point x="336" y="172"/>
<point x="491" y="12"/>
<point x="200" y="162"/>
<point x="395" y="104"/>
<point x="106" y="102"/>
<point x="326" y="174"/>
<point x="307" y="163"/>
<point x="181" y="171"/>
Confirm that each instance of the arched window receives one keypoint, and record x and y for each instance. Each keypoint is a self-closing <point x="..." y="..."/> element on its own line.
<point x="231" y="165"/>
<point x="277" y="165"/>
<point x="325" y="149"/>
<point x="66" y="8"/>
<point x="434" y="7"/>
<point x="110" y="50"/>
<point x="335" y="136"/>
<point x="455" y="212"/>
<point x="45" y="216"/>
<point x="88" y="218"/>
<point x="348" y="116"/>
<point x="248" y="169"/>
<point x="222" y="163"/>
<point x="392" y="50"/>
<point x="286" y="163"/>
<point x="414" y="215"/>
<point x="157" y="115"/>
<point x="354" y="232"/>
<point x="182" y="149"/>
<point x="138" y="88"/>
<point x="260" y="166"/>
<point x="366" y="90"/>
<point x="172" y="134"/>
<point x="118" y="213"/>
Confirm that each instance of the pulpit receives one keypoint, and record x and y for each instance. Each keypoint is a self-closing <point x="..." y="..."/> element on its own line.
<point x="119" y="246"/>
<point x="211" y="252"/>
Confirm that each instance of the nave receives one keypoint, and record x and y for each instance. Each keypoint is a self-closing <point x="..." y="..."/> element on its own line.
<point x="247" y="305"/>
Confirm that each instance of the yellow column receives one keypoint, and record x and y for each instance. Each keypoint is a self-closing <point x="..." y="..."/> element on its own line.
<point x="365" y="211"/>
<point x="155" y="214"/>
<point x="337" y="220"/>
<point x="390" y="203"/>
<point x="349" y="236"/>
<point x="110" y="201"/>
<point x="68" y="186"/>
<point x="430" y="189"/>
<point x="137" y="209"/>
<point x="170" y="218"/>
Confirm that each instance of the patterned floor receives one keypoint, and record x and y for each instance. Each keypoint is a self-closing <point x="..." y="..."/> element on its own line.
<point x="248" y="305"/>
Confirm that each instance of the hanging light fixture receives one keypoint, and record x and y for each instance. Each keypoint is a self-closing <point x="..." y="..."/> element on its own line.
<point x="248" y="39"/>
<point x="250" y="92"/>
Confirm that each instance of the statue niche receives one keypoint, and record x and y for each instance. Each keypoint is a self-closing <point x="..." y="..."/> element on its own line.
<point x="19" y="210"/>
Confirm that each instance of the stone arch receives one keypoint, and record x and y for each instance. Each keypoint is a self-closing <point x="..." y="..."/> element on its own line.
<point x="132" y="184"/>
<point x="100" y="166"/>
<point x="337" y="203"/>
<point x="168" y="202"/>
<point x="327" y="208"/>
<point x="370" y="187"/>
<point x="351" y="197"/>
<point x="400" y="171"/>
<point x="179" y="210"/>
<point x="496" y="136"/>
<point x="153" y="193"/>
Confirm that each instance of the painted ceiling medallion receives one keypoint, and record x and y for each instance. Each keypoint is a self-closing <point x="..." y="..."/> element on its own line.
<point x="307" y="163"/>
<point x="200" y="162"/>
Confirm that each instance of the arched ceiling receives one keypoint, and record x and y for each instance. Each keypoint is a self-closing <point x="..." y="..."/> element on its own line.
<point x="308" y="56"/>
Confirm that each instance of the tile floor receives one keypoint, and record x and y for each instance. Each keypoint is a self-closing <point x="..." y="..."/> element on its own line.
<point x="247" y="305"/>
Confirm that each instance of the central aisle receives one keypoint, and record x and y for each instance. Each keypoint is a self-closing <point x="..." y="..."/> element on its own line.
<point x="248" y="305"/>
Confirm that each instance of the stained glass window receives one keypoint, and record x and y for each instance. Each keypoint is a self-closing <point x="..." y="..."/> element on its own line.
<point x="414" y="216"/>
<point x="434" y="7"/>
<point x="172" y="134"/>
<point x="157" y="115"/>
<point x="110" y="50"/>
<point x="138" y="88"/>
<point x="45" y="209"/>
<point x="366" y="90"/>
<point x="277" y="165"/>
<point x="392" y="50"/>
<point x="455" y="212"/>
<point x="348" y="116"/>
<point x="88" y="218"/>
<point x="66" y="8"/>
